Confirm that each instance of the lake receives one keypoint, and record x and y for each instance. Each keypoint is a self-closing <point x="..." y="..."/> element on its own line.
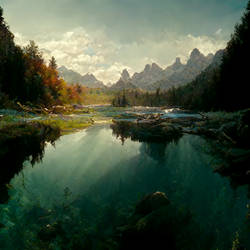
<point x="89" y="182"/>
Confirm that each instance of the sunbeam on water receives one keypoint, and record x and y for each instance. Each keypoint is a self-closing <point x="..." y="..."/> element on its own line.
<point x="90" y="181"/>
<point x="77" y="162"/>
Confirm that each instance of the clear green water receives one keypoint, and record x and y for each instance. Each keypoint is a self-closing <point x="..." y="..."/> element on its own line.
<point x="89" y="183"/>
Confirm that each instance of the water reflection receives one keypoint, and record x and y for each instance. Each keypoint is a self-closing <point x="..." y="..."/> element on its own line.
<point x="154" y="150"/>
<point x="143" y="132"/>
<point x="154" y="141"/>
<point x="27" y="145"/>
<point x="88" y="186"/>
<point x="231" y="162"/>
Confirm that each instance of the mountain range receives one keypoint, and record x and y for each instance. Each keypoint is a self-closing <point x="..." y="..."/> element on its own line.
<point x="187" y="73"/>
<point x="151" y="78"/>
<point x="72" y="77"/>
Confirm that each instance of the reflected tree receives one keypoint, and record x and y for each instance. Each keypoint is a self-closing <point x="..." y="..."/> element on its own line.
<point x="20" y="143"/>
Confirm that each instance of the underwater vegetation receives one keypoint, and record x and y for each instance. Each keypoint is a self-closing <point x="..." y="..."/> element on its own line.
<point x="103" y="203"/>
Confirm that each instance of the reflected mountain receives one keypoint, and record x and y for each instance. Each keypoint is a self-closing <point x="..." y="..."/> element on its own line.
<point x="154" y="150"/>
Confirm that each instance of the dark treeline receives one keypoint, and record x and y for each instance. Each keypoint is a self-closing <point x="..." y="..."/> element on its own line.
<point x="131" y="97"/>
<point x="24" y="76"/>
<point x="224" y="87"/>
<point x="22" y="142"/>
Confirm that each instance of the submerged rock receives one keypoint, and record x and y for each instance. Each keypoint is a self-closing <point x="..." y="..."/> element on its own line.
<point x="50" y="232"/>
<point x="150" y="225"/>
<point x="151" y="202"/>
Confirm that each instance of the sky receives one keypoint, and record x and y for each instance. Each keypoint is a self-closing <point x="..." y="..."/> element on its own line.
<point x="105" y="36"/>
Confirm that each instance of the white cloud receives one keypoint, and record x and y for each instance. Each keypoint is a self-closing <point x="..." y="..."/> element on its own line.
<point x="112" y="73"/>
<point x="164" y="50"/>
<point x="218" y="32"/>
<point x="96" y="53"/>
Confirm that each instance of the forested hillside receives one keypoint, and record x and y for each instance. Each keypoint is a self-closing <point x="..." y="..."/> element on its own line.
<point x="222" y="86"/>
<point x="25" y="77"/>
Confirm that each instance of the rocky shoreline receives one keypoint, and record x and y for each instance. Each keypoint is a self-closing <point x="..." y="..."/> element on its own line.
<point x="228" y="136"/>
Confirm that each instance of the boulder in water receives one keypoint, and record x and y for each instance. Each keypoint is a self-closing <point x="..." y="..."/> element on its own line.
<point x="151" y="202"/>
<point x="150" y="227"/>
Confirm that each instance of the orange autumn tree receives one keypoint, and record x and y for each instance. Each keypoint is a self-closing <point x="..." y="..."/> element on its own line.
<point x="44" y="81"/>
<point x="59" y="91"/>
<point x="25" y="77"/>
<point x="73" y="94"/>
<point x="52" y="82"/>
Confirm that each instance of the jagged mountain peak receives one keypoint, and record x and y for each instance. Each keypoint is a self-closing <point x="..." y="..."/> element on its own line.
<point x="62" y="68"/>
<point x="72" y="77"/>
<point x="155" y="67"/>
<point x="90" y="76"/>
<point x="195" y="53"/>
<point x="147" y="68"/>
<point x="178" y="60"/>
<point x="217" y="59"/>
<point x="197" y="58"/>
<point x="177" y="64"/>
<point x="125" y="76"/>
<point x="175" y="67"/>
<point x="152" y="68"/>
<point x="178" y="74"/>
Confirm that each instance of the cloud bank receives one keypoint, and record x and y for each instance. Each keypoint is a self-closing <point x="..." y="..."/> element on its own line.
<point x="105" y="58"/>
<point x="105" y="36"/>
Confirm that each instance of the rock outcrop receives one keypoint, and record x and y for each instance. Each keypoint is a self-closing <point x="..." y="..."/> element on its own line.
<point x="153" y="76"/>
<point x="122" y="85"/>
<point x="185" y="73"/>
<point x="149" y="227"/>
<point x="150" y="74"/>
<point x="125" y="76"/>
<point x="156" y="224"/>
<point x="176" y="67"/>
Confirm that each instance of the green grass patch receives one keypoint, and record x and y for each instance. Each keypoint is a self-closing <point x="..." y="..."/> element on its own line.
<point x="68" y="124"/>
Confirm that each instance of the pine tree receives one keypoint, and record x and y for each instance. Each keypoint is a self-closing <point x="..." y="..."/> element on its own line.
<point x="124" y="101"/>
<point x="234" y="81"/>
<point x="52" y="63"/>
<point x="1" y="15"/>
<point x="11" y="62"/>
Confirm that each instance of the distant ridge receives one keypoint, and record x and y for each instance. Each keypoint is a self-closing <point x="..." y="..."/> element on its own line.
<point x="72" y="77"/>
<point x="124" y="82"/>
<point x="153" y="76"/>
<point x="186" y="73"/>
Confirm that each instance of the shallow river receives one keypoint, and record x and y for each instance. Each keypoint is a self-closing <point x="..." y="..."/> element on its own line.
<point x="89" y="183"/>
